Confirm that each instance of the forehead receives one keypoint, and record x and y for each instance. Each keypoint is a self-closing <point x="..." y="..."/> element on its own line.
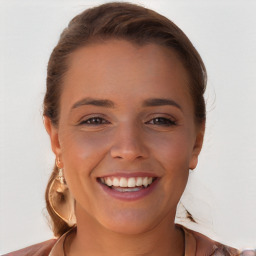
<point x="119" y="54"/>
<point x="118" y="67"/>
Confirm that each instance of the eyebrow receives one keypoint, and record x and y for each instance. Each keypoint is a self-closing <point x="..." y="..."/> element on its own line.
<point x="153" y="102"/>
<point x="94" y="102"/>
<point x="160" y="102"/>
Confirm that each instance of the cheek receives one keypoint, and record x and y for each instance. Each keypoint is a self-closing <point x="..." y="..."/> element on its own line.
<point x="173" y="153"/>
<point x="172" y="149"/>
<point x="82" y="151"/>
<point x="176" y="163"/>
<point x="81" y="154"/>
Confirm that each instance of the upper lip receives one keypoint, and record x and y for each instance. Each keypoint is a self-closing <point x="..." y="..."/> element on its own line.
<point x="128" y="174"/>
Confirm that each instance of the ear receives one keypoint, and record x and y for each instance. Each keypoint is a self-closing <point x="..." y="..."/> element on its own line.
<point x="54" y="136"/>
<point x="197" y="146"/>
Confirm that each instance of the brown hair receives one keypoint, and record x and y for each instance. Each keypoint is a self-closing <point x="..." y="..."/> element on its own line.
<point x="126" y="21"/>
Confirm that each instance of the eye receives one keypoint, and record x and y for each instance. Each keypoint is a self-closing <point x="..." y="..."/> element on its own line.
<point x="94" y="121"/>
<point x="161" y="121"/>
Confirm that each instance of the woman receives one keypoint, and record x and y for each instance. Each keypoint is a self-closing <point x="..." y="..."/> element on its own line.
<point x="125" y="113"/>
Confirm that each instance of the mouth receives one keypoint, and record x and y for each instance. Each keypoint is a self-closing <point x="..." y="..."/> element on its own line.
<point x="127" y="184"/>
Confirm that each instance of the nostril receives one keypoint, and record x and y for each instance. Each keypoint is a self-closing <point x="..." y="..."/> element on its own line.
<point x="130" y="154"/>
<point x="128" y="147"/>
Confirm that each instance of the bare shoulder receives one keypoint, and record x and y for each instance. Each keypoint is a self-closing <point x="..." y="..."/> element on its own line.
<point x="41" y="249"/>
<point x="208" y="247"/>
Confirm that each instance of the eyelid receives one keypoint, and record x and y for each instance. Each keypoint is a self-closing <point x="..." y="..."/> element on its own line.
<point x="91" y="116"/>
<point x="170" y="122"/>
<point x="164" y="116"/>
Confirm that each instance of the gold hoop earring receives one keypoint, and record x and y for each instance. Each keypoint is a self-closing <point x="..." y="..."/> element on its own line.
<point x="60" y="198"/>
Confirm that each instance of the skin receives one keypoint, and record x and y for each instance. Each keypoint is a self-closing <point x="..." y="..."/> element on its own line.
<point x="126" y="137"/>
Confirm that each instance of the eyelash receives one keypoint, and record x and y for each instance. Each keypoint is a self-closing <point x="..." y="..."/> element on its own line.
<point x="162" y="121"/>
<point x="89" y="121"/>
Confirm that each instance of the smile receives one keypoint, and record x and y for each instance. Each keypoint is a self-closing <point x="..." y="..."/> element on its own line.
<point x="127" y="184"/>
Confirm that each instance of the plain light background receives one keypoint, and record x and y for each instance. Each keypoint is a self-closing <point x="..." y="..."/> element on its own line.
<point x="221" y="192"/>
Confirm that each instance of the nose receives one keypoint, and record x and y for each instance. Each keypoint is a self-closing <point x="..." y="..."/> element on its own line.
<point x="129" y="144"/>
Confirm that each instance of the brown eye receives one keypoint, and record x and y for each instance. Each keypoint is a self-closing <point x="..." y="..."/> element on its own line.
<point x="94" y="121"/>
<point x="162" y="121"/>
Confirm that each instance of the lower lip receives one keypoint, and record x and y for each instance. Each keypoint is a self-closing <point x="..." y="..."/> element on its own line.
<point x="129" y="196"/>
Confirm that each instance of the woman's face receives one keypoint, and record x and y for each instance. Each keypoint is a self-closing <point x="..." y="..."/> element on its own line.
<point x="126" y="120"/>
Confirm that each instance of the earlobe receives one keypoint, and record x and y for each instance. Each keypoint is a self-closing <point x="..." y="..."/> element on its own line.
<point x="53" y="134"/>
<point x="197" y="147"/>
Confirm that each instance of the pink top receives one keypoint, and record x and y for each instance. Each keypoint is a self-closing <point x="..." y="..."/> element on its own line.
<point x="196" y="244"/>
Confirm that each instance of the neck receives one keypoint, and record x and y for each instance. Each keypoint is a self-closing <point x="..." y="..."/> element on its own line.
<point x="163" y="239"/>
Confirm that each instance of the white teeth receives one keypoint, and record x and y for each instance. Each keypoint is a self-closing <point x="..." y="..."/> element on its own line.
<point x="139" y="181"/>
<point x="145" y="182"/>
<point x="108" y="181"/>
<point x="116" y="182"/>
<point x="124" y="182"/>
<point x="131" y="182"/>
<point x="127" y="189"/>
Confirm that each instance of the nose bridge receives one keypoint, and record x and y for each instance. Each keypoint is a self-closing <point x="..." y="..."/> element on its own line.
<point x="128" y="142"/>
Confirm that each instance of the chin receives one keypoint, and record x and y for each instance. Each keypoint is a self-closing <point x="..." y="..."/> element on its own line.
<point x="130" y="223"/>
